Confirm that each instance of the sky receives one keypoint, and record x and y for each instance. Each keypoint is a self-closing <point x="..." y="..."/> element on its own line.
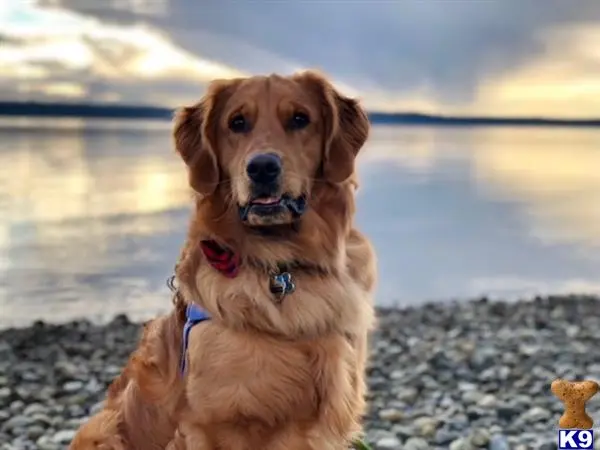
<point x="483" y="57"/>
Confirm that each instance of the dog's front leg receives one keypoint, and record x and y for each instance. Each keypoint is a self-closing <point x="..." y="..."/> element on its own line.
<point x="340" y="394"/>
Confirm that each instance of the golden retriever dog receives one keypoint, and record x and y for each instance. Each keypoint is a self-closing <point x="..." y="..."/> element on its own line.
<point x="273" y="261"/>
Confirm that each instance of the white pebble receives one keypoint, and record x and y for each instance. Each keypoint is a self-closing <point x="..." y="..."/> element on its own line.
<point x="63" y="436"/>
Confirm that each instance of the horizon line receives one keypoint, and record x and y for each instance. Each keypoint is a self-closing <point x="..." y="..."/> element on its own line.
<point x="129" y="111"/>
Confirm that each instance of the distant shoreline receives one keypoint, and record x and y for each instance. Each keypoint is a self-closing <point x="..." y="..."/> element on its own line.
<point x="72" y="110"/>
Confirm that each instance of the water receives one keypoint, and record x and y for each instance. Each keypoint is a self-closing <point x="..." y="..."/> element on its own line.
<point x="92" y="215"/>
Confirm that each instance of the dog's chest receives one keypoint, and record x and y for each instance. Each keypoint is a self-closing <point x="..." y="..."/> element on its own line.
<point x="234" y="376"/>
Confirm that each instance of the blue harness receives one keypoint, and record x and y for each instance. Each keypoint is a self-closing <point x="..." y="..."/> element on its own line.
<point x="194" y="315"/>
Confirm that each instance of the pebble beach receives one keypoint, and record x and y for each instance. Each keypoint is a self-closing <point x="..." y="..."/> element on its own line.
<point x="458" y="375"/>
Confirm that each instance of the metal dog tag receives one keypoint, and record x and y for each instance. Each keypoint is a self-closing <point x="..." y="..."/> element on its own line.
<point x="282" y="284"/>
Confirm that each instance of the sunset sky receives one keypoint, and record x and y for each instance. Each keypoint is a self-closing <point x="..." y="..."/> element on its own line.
<point x="502" y="57"/>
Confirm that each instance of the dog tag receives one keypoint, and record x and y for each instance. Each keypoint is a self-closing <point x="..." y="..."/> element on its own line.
<point x="282" y="284"/>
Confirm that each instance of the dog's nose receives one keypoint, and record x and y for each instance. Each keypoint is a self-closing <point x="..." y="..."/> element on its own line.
<point x="264" y="168"/>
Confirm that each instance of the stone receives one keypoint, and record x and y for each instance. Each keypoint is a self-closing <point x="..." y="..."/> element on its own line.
<point x="389" y="443"/>
<point x="63" y="436"/>
<point x="498" y="442"/>
<point x="5" y="396"/>
<point x="471" y="397"/>
<point x="487" y="401"/>
<point x="480" y="437"/>
<point x="461" y="444"/>
<point x="535" y="414"/>
<point x="34" y="408"/>
<point x="415" y="443"/>
<point x="16" y="422"/>
<point x="391" y="415"/>
<point x="425" y="426"/>
<point x="73" y="386"/>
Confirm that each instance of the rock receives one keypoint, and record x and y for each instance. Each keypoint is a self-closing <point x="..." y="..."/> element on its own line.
<point x="444" y="437"/>
<point x="487" y="401"/>
<point x="73" y="386"/>
<point x="34" y="432"/>
<point x="408" y="394"/>
<point x="465" y="386"/>
<point x="425" y="426"/>
<point x="483" y="358"/>
<point x="480" y="437"/>
<point x="415" y="443"/>
<point x="5" y="396"/>
<point x="458" y="422"/>
<point x="42" y="419"/>
<point x="16" y="422"/>
<point x="34" y="408"/>
<point x="94" y="386"/>
<point x="391" y="415"/>
<point x="461" y="444"/>
<point x="403" y="431"/>
<point x="535" y="414"/>
<point x="46" y="443"/>
<point x="16" y="406"/>
<point x="63" y="437"/>
<point x="397" y="375"/>
<point x="389" y="443"/>
<point x="471" y="397"/>
<point x="507" y="412"/>
<point x="67" y="370"/>
<point x="6" y="351"/>
<point x="498" y="442"/>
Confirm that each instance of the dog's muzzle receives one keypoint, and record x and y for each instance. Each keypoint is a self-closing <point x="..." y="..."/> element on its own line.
<point x="267" y="204"/>
<point x="296" y="206"/>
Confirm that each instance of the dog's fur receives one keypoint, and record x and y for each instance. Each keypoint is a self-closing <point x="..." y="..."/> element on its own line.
<point x="261" y="374"/>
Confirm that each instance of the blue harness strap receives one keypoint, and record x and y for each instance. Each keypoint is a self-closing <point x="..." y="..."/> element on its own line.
<point x="194" y="315"/>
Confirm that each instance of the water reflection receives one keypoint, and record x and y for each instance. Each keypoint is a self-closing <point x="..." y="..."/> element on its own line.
<point x="92" y="214"/>
<point x="61" y="175"/>
<point x="496" y="211"/>
<point x="551" y="174"/>
<point x="559" y="183"/>
<point x="90" y="218"/>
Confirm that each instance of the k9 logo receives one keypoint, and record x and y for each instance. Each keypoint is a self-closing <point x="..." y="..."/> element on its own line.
<point x="575" y="439"/>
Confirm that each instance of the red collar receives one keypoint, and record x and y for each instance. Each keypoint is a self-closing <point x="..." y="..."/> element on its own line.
<point x="221" y="258"/>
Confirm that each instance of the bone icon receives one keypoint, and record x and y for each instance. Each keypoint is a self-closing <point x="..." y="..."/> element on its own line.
<point x="574" y="395"/>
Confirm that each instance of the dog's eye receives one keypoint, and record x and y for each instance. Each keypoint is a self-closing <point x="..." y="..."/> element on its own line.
<point x="238" y="124"/>
<point x="298" y="121"/>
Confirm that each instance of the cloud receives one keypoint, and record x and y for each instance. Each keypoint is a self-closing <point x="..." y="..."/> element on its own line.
<point x="50" y="54"/>
<point x="482" y="57"/>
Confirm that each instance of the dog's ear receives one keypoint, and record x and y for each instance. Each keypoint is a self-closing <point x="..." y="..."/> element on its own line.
<point x="346" y="128"/>
<point x="195" y="135"/>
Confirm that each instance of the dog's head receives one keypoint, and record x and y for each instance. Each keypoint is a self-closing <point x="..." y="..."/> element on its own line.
<point x="260" y="145"/>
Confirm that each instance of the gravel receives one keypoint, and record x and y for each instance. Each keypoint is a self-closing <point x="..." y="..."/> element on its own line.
<point x="459" y="376"/>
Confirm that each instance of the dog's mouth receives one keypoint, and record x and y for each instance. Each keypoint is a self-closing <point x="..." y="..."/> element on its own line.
<point x="273" y="210"/>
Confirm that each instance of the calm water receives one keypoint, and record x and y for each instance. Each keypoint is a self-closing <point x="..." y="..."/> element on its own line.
<point x="92" y="215"/>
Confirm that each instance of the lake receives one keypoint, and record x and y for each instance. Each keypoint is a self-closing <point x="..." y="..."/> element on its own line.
<point x="93" y="213"/>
